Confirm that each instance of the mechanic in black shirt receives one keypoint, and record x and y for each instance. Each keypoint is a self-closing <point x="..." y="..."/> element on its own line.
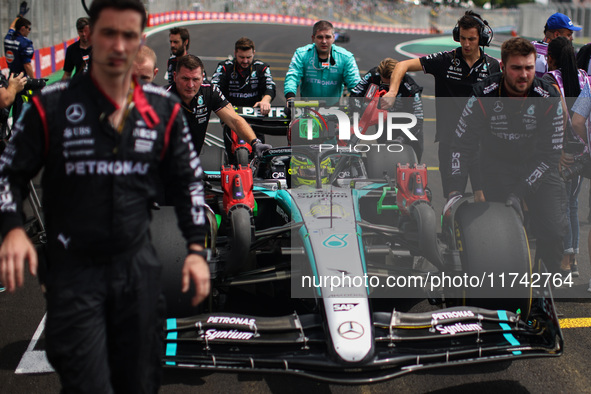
<point x="179" y="46"/>
<point x="408" y="89"/>
<point x="78" y="54"/>
<point x="246" y="82"/>
<point x="455" y="72"/>
<point x="199" y="99"/>
<point x="511" y="133"/>
<point x="9" y="88"/>
<point x="103" y="140"/>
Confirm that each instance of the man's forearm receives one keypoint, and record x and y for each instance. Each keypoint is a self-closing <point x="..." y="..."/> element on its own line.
<point x="29" y="70"/>
<point x="7" y="96"/>
<point x="13" y="24"/>
<point x="243" y="130"/>
<point x="579" y="126"/>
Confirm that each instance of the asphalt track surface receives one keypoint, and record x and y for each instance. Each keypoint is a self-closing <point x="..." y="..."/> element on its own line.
<point x="21" y="313"/>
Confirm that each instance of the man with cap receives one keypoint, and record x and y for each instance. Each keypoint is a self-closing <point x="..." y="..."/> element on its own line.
<point x="557" y="25"/>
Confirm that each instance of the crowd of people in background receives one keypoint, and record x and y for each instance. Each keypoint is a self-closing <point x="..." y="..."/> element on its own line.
<point x="504" y="159"/>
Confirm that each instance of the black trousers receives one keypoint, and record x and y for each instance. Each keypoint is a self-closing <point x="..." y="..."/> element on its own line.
<point x="104" y="326"/>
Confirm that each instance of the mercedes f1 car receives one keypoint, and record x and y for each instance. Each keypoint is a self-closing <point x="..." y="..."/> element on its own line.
<point x="341" y="36"/>
<point x="305" y="243"/>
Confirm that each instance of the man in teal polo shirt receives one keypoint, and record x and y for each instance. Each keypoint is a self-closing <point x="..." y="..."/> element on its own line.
<point x="321" y="69"/>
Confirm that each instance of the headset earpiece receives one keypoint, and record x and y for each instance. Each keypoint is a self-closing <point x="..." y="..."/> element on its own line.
<point x="485" y="33"/>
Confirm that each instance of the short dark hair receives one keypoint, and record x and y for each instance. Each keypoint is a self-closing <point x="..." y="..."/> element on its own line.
<point x="516" y="46"/>
<point x="244" y="44"/>
<point x="190" y="62"/>
<point x="469" y="20"/>
<point x="184" y="33"/>
<point x="98" y="6"/>
<point x="20" y="22"/>
<point x="81" y="23"/>
<point x="321" y="25"/>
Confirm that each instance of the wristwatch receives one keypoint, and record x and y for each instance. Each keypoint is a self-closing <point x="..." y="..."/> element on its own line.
<point x="205" y="253"/>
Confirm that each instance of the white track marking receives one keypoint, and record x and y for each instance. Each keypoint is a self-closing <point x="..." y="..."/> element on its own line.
<point x="34" y="361"/>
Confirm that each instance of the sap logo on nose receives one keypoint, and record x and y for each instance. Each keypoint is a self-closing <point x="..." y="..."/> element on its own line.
<point x="344" y="307"/>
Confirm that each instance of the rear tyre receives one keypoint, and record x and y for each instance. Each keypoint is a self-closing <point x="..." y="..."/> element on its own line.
<point x="492" y="241"/>
<point x="171" y="249"/>
<point x="241" y="233"/>
<point x="213" y="158"/>
<point x="383" y="161"/>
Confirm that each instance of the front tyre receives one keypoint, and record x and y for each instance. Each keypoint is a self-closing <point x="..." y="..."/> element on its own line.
<point x="242" y="157"/>
<point x="241" y="234"/>
<point x="171" y="249"/>
<point x="493" y="244"/>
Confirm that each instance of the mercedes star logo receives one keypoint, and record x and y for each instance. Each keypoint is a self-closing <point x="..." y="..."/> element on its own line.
<point x="498" y="106"/>
<point x="351" y="330"/>
<point x="75" y="113"/>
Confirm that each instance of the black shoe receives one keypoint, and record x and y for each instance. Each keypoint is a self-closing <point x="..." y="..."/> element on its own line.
<point x="574" y="269"/>
<point x="2" y="288"/>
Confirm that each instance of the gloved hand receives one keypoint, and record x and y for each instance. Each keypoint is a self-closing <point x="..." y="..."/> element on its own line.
<point x="260" y="148"/>
<point x="288" y="106"/>
<point x="514" y="202"/>
<point x="287" y="111"/>
<point x="23" y="9"/>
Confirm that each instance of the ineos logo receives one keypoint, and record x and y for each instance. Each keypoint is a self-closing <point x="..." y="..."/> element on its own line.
<point x="351" y="330"/>
<point x="75" y="113"/>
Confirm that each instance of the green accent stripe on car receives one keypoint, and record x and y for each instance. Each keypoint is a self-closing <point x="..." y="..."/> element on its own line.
<point x="509" y="337"/>
<point x="270" y="193"/>
<point x="310" y="253"/>
<point x="171" y="324"/>
<point x="362" y="252"/>
<point x="171" y="347"/>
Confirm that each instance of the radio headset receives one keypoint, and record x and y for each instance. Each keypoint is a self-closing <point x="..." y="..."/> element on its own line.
<point x="485" y="37"/>
<point x="85" y="7"/>
<point x="485" y="32"/>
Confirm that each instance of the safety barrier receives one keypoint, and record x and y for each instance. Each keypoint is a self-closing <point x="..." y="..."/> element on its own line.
<point x="51" y="59"/>
<point x="184" y="16"/>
